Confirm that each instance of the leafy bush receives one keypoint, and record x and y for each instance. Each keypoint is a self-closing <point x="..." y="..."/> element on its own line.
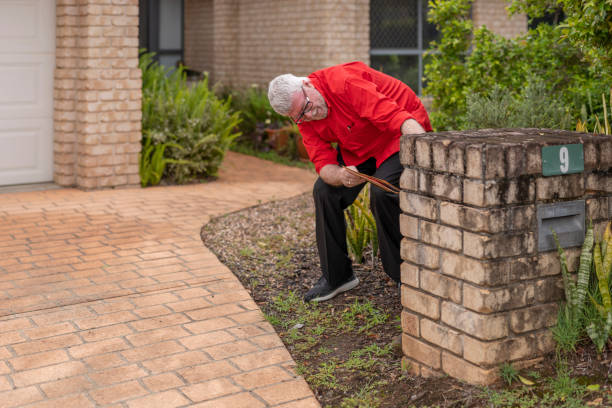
<point x="256" y="114"/>
<point x="587" y="26"/>
<point x="469" y="63"/>
<point x="599" y="327"/>
<point x="191" y="116"/>
<point x="534" y="106"/>
<point x="446" y="70"/>
<point x="255" y="109"/>
<point x="577" y="315"/>
<point x="152" y="162"/>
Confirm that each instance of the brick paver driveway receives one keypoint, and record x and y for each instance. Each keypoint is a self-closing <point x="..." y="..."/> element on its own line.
<point x="108" y="298"/>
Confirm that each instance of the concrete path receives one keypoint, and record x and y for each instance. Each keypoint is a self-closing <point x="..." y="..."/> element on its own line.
<point x="109" y="299"/>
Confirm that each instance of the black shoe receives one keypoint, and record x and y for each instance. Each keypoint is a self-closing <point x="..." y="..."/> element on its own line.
<point x="322" y="290"/>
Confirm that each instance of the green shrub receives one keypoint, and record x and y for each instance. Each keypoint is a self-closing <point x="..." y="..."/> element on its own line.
<point x="445" y="70"/>
<point x="535" y="106"/>
<point x="489" y="111"/>
<point x="255" y="109"/>
<point x="152" y="162"/>
<point x="256" y="114"/>
<point x="577" y="315"/>
<point x="587" y="26"/>
<point x="190" y="116"/>
<point x="600" y="324"/>
<point x="576" y="291"/>
<point x="467" y="63"/>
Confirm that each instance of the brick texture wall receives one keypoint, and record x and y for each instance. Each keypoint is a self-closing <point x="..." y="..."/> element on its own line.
<point x="199" y="38"/>
<point x="243" y="42"/>
<point x="97" y="97"/>
<point x="256" y="40"/>
<point x="493" y="14"/>
<point x="476" y="291"/>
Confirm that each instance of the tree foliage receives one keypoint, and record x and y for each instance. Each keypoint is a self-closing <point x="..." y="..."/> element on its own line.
<point x="587" y="26"/>
<point x="468" y="61"/>
<point x="446" y="70"/>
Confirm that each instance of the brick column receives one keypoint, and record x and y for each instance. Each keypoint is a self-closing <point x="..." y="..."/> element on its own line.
<point x="65" y="93"/>
<point x="97" y="94"/>
<point x="476" y="292"/>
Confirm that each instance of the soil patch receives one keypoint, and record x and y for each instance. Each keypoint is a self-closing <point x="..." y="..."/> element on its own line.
<point x="347" y="349"/>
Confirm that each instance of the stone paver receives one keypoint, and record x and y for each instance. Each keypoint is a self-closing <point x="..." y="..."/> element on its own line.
<point x="109" y="298"/>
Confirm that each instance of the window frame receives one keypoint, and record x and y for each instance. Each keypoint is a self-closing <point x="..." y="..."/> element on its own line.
<point x="419" y="51"/>
<point x="150" y="23"/>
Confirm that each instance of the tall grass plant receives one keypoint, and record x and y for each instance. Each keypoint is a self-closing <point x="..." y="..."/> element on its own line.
<point x="361" y="232"/>
<point x="590" y="120"/>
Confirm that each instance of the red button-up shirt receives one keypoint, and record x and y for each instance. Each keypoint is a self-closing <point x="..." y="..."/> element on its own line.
<point x="366" y="109"/>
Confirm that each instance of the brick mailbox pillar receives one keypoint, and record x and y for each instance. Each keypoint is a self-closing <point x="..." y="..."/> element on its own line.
<point x="477" y="288"/>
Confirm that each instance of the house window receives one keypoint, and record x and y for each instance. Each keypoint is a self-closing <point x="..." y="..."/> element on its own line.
<point x="399" y="35"/>
<point x="161" y="29"/>
<point x="554" y="17"/>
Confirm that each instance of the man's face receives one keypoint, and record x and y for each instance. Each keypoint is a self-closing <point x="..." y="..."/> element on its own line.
<point x="307" y="105"/>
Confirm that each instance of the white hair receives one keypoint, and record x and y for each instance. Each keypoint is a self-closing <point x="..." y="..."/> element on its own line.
<point x="281" y="90"/>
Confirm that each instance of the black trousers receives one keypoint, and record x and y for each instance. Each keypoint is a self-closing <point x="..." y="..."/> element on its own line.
<point x="330" y="202"/>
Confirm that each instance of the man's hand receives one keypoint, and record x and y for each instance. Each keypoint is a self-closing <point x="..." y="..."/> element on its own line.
<point x="411" y="127"/>
<point x="335" y="175"/>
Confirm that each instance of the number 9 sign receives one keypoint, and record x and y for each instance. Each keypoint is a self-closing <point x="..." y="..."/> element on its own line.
<point x="562" y="159"/>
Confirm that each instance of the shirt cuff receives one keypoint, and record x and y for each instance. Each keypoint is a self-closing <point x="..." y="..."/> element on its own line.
<point x="395" y="124"/>
<point x="319" y="164"/>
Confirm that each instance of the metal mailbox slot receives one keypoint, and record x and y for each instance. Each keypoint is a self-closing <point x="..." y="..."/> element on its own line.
<point x="566" y="219"/>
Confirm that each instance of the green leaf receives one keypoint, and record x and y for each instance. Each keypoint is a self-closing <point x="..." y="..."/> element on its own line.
<point x="584" y="270"/>
<point x="602" y="282"/>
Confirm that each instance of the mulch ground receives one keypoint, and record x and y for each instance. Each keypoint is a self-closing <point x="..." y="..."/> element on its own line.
<point x="271" y="249"/>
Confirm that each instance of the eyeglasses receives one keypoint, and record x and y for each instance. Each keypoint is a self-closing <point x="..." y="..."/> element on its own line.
<point x="307" y="108"/>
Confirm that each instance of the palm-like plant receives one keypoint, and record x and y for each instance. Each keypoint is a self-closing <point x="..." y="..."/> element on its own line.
<point x="361" y="227"/>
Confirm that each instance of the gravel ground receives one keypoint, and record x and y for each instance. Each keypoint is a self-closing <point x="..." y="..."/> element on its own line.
<point x="271" y="249"/>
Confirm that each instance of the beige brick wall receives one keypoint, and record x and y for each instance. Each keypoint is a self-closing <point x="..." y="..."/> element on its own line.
<point x="493" y="14"/>
<point x="476" y="290"/>
<point x="250" y="41"/>
<point x="256" y="40"/>
<point x="97" y="97"/>
<point x="199" y="38"/>
<point x="225" y="45"/>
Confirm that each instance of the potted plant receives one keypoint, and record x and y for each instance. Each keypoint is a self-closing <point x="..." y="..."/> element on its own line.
<point x="278" y="134"/>
<point x="301" y="152"/>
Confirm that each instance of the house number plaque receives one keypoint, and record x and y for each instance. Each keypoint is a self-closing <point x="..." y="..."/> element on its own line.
<point x="562" y="159"/>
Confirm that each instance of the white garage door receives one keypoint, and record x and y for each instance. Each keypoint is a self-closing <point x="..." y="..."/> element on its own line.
<point x="27" y="61"/>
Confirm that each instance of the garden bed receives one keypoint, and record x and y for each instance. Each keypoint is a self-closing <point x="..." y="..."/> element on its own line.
<point x="347" y="349"/>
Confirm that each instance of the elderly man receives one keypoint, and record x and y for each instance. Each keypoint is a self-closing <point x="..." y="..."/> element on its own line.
<point x="363" y="112"/>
